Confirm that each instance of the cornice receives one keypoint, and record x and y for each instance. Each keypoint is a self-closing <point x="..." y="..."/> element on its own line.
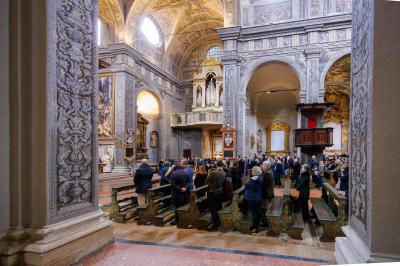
<point x="123" y="48"/>
<point x="291" y="27"/>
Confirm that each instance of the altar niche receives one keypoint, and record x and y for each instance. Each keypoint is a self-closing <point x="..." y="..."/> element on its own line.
<point x="337" y="92"/>
<point x="272" y="94"/>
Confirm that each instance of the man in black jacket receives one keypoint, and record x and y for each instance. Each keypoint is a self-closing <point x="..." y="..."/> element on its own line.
<point x="180" y="182"/>
<point x="142" y="181"/>
<point x="268" y="190"/>
<point x="215" y="181"/>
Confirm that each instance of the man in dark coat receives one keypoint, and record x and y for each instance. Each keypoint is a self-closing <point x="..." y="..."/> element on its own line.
<point x="296" y="170"/>
<point x="142" y="181"/>
<point x="303" y="186"/>
<point x="268" y="190"/>
<point x="180" y="190"/>
<point x="215" y="181"/>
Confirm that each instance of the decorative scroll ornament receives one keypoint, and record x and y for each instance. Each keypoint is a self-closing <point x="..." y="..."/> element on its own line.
<point x="75" y="98"/>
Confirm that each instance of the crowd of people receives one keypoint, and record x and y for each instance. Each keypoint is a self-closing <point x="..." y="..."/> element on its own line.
<point x="259" y="173"/>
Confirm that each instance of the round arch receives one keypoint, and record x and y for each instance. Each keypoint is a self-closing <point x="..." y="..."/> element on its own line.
<point x="328" y="66"/>
<point x="155" y="92"/>
<point x="297" y="69"/>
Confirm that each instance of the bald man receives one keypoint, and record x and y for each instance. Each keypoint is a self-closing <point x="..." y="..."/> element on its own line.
<point x="142" y="180"/>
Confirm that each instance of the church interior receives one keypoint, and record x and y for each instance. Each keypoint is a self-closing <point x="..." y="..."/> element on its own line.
<point x="199" y="132"/>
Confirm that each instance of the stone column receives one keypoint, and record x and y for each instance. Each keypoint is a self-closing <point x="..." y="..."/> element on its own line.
<point x="312" y="56"/>
<point x="54" y="214"/>
<point x="373" y="228"/>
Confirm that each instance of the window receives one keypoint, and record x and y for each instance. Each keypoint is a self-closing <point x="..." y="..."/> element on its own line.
<point x="215" y="52"/>
<point x="151" y="32"/>
<point x="147" y="103"/>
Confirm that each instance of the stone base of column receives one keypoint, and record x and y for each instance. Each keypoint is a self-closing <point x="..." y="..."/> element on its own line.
<point x="66" y="242"/>
<point x="352" y="250"/>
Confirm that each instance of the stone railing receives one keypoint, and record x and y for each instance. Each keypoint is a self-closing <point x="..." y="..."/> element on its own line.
<point x="196" y="118"/>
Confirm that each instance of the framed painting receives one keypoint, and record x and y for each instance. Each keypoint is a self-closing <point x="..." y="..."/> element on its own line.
<point x="105" y="98"/>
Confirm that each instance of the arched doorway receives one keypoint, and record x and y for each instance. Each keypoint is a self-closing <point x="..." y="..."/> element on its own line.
<point x="148" y="126"/>
<point x="273" y="91"/>
<point x="337" y="91"/>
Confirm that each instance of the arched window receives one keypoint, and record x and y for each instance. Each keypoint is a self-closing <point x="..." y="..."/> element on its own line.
<point x="215" y="52"/>
<point x="147" y="103"/>
<point x="151" y="32"/>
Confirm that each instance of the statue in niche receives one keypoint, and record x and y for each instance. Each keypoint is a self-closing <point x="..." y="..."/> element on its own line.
<point x="259" y="141"/>
<point x="108" y="160"/>
<point x="199" y="94"/>
<point x="138" y="138"/>
<point x="221" y="95"/>
<point x="130" y="136"/>
<point x="228" y="140"/>
<point x="154" y="139"/>
<point x="210" y="89"/>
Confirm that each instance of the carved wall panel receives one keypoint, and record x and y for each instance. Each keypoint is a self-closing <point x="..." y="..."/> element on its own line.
<point x="229" y="95"/>
<point x="360" y="128"/>
<point x="273" y="12"/>
<point x="76" y="124"/>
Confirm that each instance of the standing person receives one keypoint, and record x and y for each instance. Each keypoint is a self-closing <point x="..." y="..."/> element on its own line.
<point x="201" y="176"/>
<point x="303" y="186"/>
<point x="320" y="173"/>
<point x="278" y="173"/>
<point x="296" y="170"/>
<point x="189" y="172"/>
<point x="268" y="190"/>
<point x="236" y="176"/>
<point x="241" y="166"/>
<point x="180" y="190"/>
<point x="344" y="184"/>
<point x="215" y="181"/>
<point x="142" y="180"/>
<point x="290" y="161"/>
<point x="336" y="169"/>
<point x="166" y="172"/>
<point x="253" y="196"/>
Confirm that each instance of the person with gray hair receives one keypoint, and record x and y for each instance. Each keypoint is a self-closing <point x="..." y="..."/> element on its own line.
<point x="268" y="190"/>
<point x="253" y="195"/>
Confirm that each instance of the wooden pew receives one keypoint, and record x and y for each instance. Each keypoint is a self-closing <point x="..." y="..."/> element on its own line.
<point x="122" y="210"/>
<point x="331" y="223"/>
<point x="231" y="216"/>
<point x="190" y="213"/>
<point x="279" y="215"/>
<point x="158" y="200"/>
<point x="338" y="203"/>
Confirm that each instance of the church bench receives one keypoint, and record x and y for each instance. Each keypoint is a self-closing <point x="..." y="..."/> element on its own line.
<point x="122" y="210"/>
<point x="279" y="214"/>
<point x="190" y="213"/>
<point x="232" y="214"/>
<point x="331" y="228"/>
<point x="338" y="203"/>
<point x="295" y="231"/>
<point x="205" y="219"/>
<point x="158" y="198"/>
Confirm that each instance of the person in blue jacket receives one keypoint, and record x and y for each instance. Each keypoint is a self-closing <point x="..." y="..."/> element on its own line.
<point x="253" y="195"/>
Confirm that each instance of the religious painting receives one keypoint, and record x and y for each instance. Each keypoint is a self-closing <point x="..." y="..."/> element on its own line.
<point x="259" y="140"/>
<point x="105" y="98"/>
<point x="154" y="139"/>
<point x="278" y="138"/>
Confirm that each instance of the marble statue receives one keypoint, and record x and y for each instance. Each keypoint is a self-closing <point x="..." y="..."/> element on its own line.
<point x="108" y="160"/>
<point x="199" y="95"/>
<point x="259" y="140"/>
<point x="154" y="139"/>
<point x="228" y="140"/>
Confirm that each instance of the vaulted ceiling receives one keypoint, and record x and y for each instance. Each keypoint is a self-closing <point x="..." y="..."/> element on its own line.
<point x="185" y="24"/>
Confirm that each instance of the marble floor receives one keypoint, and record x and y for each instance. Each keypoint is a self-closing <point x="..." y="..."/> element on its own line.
<point x="150" y="245"/>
